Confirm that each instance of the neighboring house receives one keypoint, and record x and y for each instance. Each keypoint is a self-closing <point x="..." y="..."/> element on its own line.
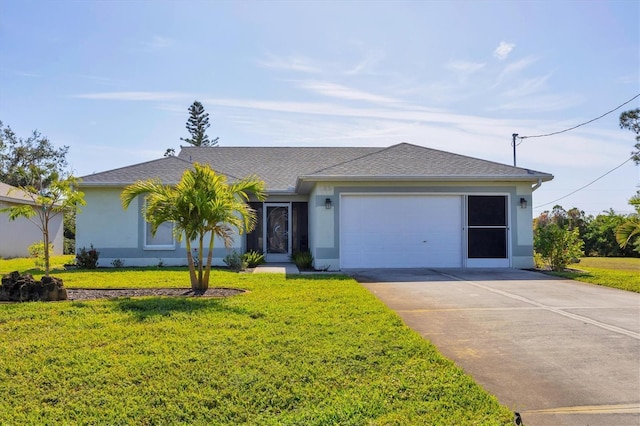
<point x="17" y="235"/>
<point x="395" y="207"/>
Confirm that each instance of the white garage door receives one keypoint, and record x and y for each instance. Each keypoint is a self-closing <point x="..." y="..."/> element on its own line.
<point x="400" y="231"/>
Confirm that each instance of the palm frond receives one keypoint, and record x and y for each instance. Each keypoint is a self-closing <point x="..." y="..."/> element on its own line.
<point x="628" y="231"/>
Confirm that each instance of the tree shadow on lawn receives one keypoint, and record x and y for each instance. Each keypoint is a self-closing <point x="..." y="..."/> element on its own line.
<point x="114" y="270"/>
<point x="146" y="308"/>
<point x="319" y="276"/>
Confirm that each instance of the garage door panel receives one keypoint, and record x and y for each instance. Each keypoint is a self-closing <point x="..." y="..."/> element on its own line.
<point x="401" y="231"/>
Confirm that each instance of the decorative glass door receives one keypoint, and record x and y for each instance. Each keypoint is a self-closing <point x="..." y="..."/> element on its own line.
<point x="277" y="232"/>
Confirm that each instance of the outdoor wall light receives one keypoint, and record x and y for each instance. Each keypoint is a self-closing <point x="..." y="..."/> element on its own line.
<point x="523" y="203"/>
<point x="327" y="203"/>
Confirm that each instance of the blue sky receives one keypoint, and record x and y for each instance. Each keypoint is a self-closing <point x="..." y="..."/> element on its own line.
<point x="113" y="80"/>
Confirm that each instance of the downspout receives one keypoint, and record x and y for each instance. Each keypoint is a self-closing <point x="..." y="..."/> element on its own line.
<point x="537" y="185"/>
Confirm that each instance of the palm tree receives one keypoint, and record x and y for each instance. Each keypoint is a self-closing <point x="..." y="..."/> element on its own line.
<point x="202" y="205"/>
<point x="630" y="229"/>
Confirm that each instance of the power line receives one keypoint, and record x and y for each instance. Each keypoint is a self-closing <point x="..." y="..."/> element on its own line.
<point x="589" y="184"/>
<point x="581" y="124"/>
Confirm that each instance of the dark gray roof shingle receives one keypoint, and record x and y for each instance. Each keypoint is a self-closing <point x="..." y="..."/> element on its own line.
<point x="407" y="160"/>
<point x="283" y="168"/>
<point x="168" y="170"/>
<point x="279" y="167"/>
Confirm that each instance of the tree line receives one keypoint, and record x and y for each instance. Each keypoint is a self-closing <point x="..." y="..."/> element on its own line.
<point x="585" y="235"/>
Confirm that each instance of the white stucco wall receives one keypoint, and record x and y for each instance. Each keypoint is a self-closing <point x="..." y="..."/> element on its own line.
<point x="524" y="229"/>
<point x="16" y="236"/>
<point x="118" y="233"/>
<point x="525" y="216"/>
<point x="104" y="223"/>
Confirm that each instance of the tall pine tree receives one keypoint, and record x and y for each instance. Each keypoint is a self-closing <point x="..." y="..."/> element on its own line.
<point x="197" y="125"/>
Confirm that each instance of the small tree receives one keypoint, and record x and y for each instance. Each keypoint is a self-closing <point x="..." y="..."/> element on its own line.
<point x="557" y="246"/>
<point x="19" y="156"/>
<point x="56" y="198"/>
<point x="197" y="126"/>
<point x="630" y="120"/>
<point x="203" y="204"/>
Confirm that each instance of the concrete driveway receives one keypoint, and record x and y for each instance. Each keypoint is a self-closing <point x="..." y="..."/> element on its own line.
<point x="560" y="352"/>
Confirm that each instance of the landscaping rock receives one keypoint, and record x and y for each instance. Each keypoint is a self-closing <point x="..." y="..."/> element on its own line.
<point x="23" y="288"/>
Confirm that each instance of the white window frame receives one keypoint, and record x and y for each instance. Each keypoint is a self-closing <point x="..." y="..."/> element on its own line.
<point x="151" y="246"/>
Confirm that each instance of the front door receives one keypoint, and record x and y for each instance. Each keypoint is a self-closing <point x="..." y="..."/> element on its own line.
<point x="277" y="232"/>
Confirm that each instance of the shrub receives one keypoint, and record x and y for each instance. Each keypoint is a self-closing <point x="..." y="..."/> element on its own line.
<point x="538" y="260"/>
<point x="303" y="259"/>
<point x="69" y="246"/>
<point x="36" y="250"/>
<point x="235" y="262"/>
<point x="556" y="246"/>
<point x="87" y="259"/>
<point x="253" y="258"/>
<point x="117" y="263"/>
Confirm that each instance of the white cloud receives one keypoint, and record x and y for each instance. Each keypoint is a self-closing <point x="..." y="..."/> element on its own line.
<point x="342" y="92"/>
<point x="158" y="42"/>
<point x="542" y="103"/>
<point x="365" y="66"/>
<point x="514" y="68"/>
<point x="519" y="65"/>
<point x="106" y="81"/>
<point x="135" y="96"/>
<point x="503" y="50"/>
<point x="291" y="63"/>
<point x="27" y="74"/>
<point x="528" y="86"/>
<point x="464" y="70"/>
<point x="465" y="67"/>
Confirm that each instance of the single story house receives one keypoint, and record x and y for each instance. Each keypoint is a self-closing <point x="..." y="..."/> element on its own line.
<point x="352" y="207"/>
<point x="16" y="236"/>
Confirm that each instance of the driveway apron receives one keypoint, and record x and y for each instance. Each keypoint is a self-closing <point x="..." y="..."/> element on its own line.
<point x="559" y="352"/>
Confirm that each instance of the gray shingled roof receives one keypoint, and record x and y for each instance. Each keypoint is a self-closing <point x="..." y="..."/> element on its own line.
<point x="279" y="167"/>
<point x="285" y="169"/>
<point x="168" y="170"/>
<point x="411" y="160"/>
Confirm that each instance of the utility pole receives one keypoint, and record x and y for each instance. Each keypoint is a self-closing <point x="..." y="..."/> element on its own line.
<point x="515" y="135"/>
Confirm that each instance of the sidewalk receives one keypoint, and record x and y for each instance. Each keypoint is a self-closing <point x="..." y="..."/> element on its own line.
<point x="276" y="268"/>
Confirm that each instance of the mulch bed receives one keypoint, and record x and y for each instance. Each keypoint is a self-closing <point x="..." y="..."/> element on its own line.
<point x="92" y="294"/>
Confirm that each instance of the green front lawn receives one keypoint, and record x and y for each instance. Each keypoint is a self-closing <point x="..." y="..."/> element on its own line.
<point x="308" y="350"/>
<point x="616" y="272"/>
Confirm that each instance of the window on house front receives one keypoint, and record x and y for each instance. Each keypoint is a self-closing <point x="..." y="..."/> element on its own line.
<point x="163" y="238"/>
